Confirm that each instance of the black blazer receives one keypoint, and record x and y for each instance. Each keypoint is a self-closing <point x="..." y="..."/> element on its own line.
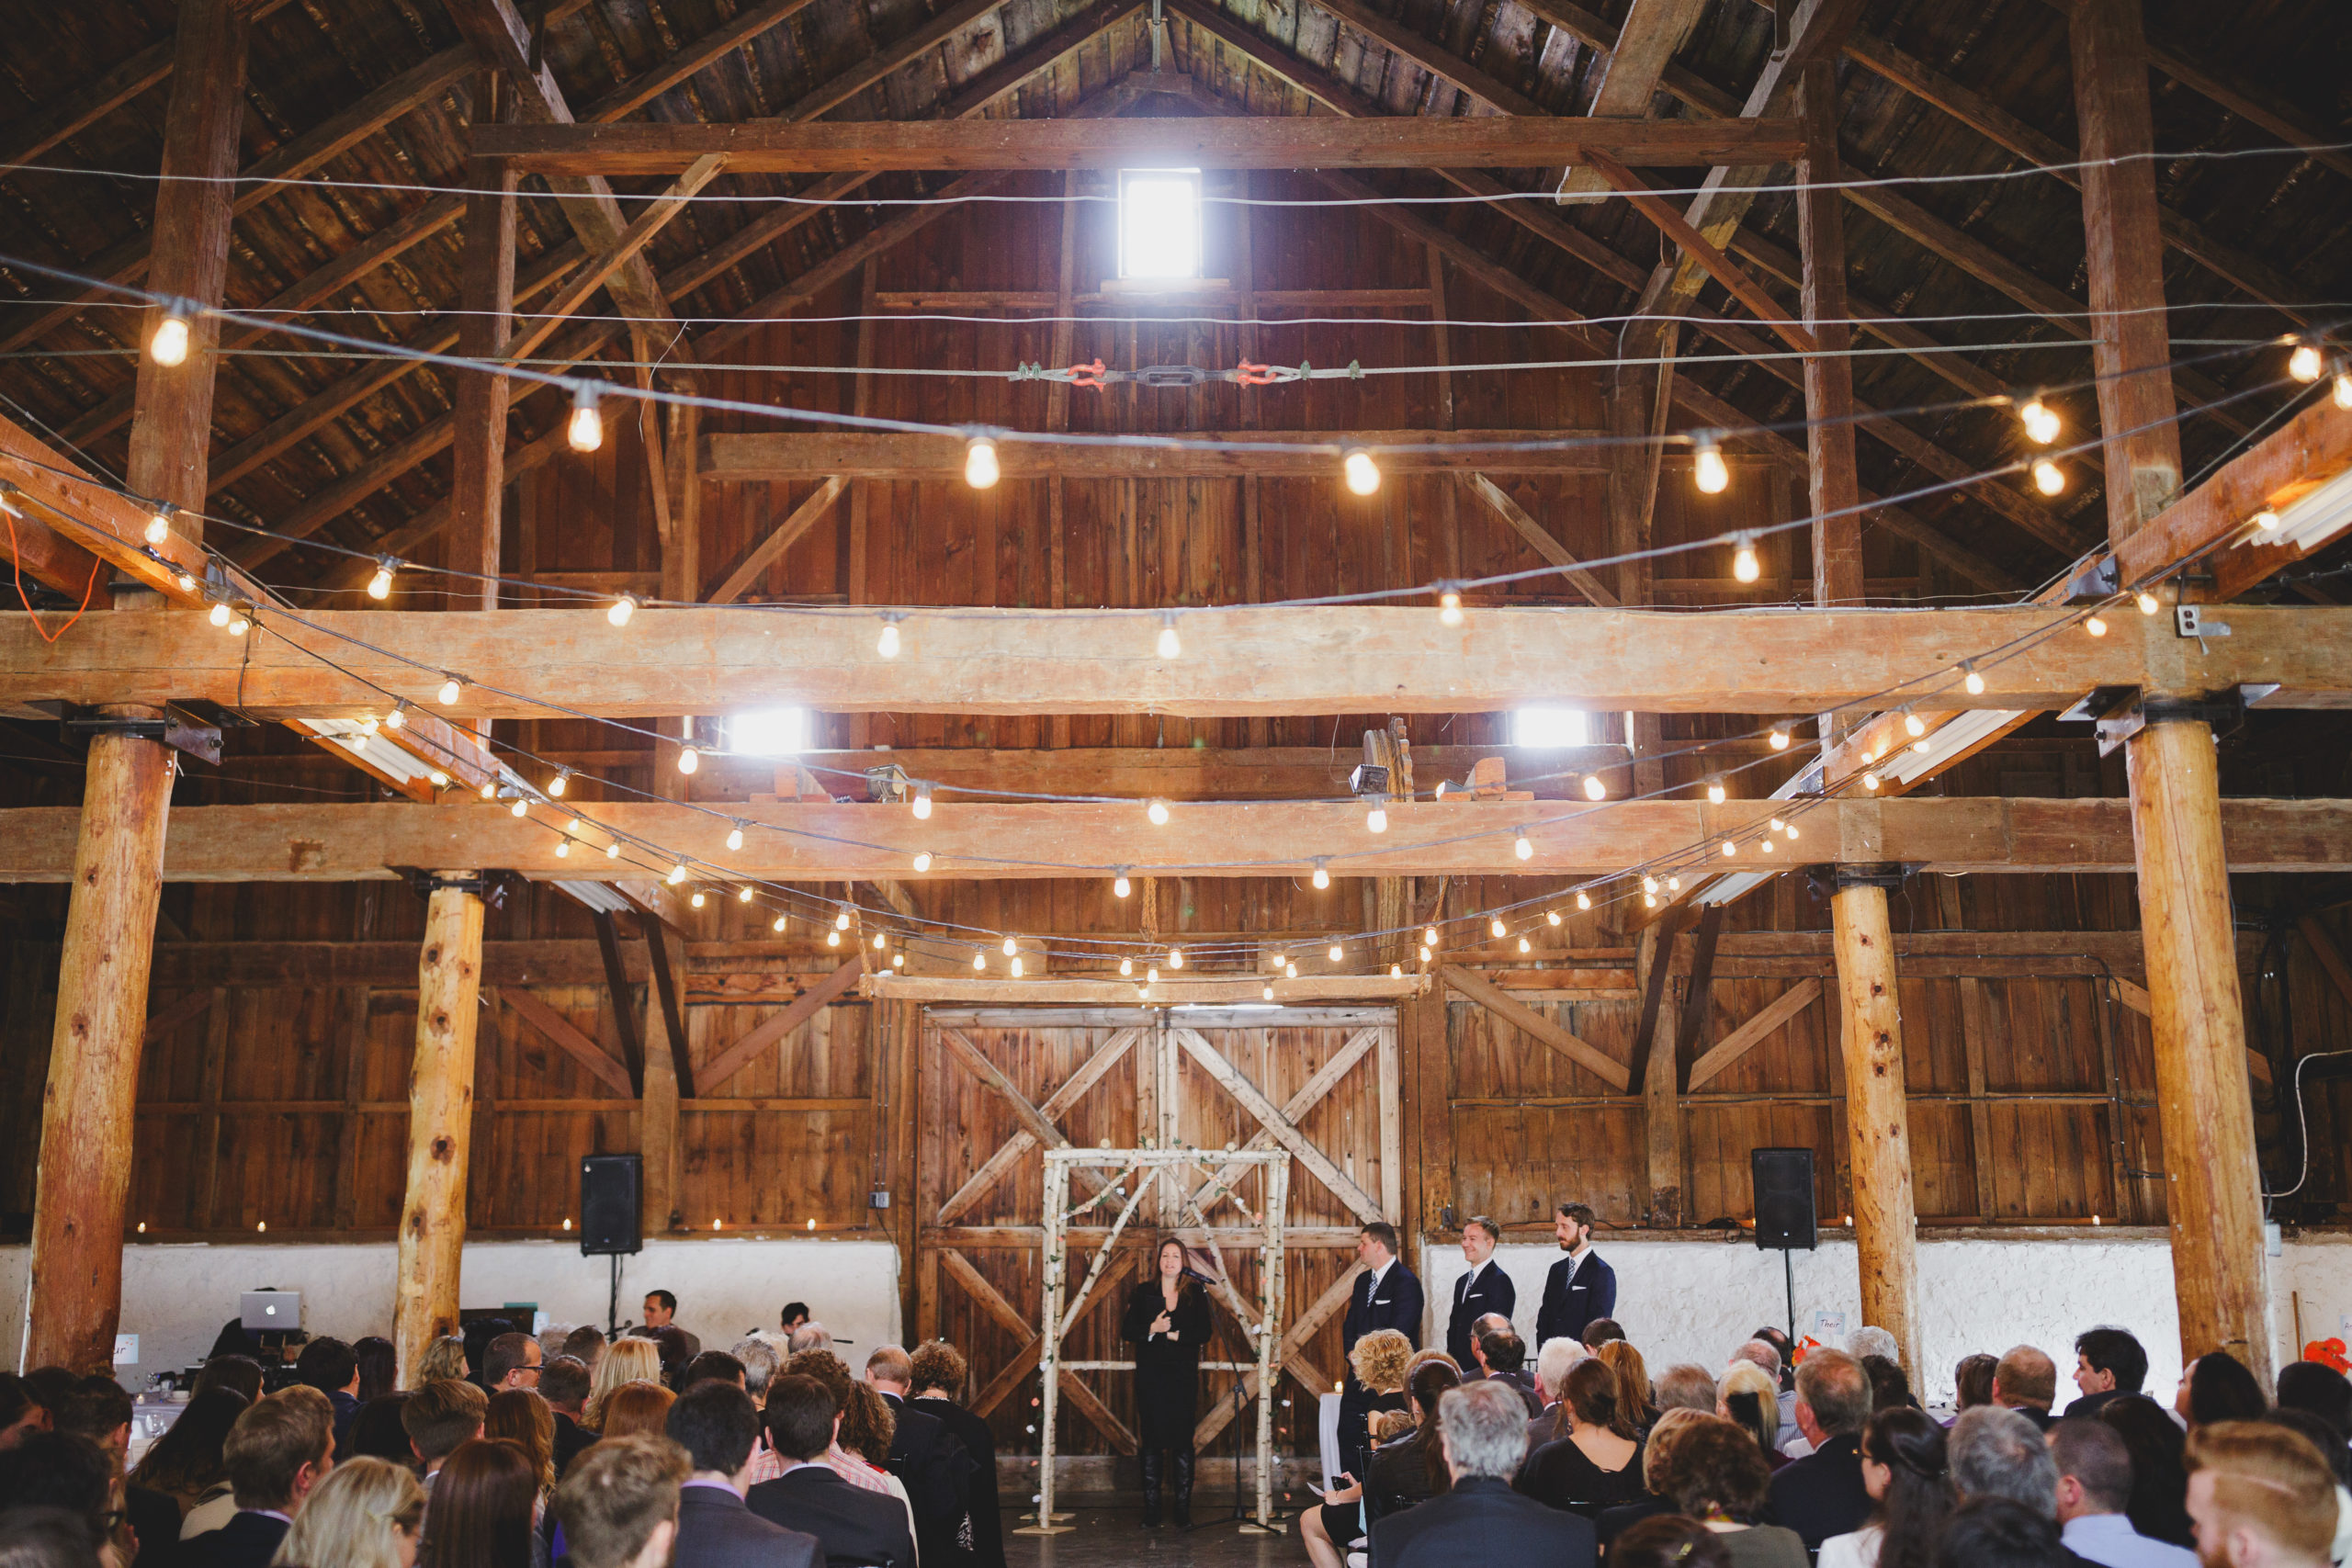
<point x="1493" y="1293"/>
<point x="572" y="1440"/>
<point x="248" y="1540"/>
<point x="1482" y="1522"/>
<point x="1822" y="1495"/>
<point x="716" y="1530"/>
<point x="980" y="1506"/>
<point x="854" y="1526"/>
<point x="1398" y="1306"/>
<point x="938" y="1472"/>
<point x="1574" y="1294"/>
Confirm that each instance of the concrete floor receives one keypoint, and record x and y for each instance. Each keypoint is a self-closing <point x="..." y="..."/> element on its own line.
<point x="1107" y="1532"/>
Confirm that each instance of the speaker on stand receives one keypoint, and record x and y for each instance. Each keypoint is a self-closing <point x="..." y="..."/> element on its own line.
<point x="1785" y="1218"/>
<point x="612" y="1218"/>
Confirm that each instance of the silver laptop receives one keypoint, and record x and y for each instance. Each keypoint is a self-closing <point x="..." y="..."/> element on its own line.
<point x="262" y="1311"/>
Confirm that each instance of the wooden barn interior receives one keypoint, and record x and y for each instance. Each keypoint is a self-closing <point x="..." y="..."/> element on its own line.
<point x="512" y="662"/>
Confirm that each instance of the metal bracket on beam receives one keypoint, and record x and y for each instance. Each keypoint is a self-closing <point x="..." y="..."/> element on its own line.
<point x="2120" y="715"/>
<point x="887" y="786"/>
<point x="2094" y="580"/>
<point x="484" y="886"/>
<point x="181" y="731"/>
<point x="1889" y="877"/>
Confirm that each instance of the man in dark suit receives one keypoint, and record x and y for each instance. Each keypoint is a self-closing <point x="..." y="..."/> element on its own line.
<point x="715" y="1422"/>
<point x="850" y="1524"/>
<point x="1822" y="1495"/>
<point x="1484" y="1289"/>
<point x="925" y="1456"/>
<point x="1482" y="1522"/>
<point x="279" y="1450"/>
<point x="563" y="1383"/>
<point x="2026" y="1380"/>
<point x="2109" y="1364"/>
<point x="1581" y="1286"/>
<point x="1386" y="1295"/>
<point x="1502" y="1357"/>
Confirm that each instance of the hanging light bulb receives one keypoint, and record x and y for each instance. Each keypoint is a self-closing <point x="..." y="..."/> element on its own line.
<point x="1120" y="886"/>
<point x="1011" y="947"/>
<point x="1449" y="606"/>
<point x="159" y="528"/>
<point x="1322" y="875"/>
<point x="1525" y="946"/>
<point x="2303" y="364"/>
<point x="778" y="926"/>
<point x="1674" y="885"/>
<point x="561" y="782"/>
<point x="169" y="345"/>
<point x="220" y="614"/>
<point x="239" y="625"/>
<point x="1649" y="883"/>
<point x="881" y="942"/>
<point x="1376" y="819"/>
<point x="451" y="688"/>
<point x="2148" y="603"/>
<point x="586" y="431"/>
<point x="743" y="894"/>
<point x="1551" y="916"/>
<point x="1015" y="966"/>
<point x="1779" y="739"/>
<point x="368" y="725"/>
<point x="1157" y="812"/>
<point x="1290" y="969"/>
<point x="1791" y="831"/>
<point x="922" y="803"/>
<point x="440" y="779"/>
<point x="2041" y="420"/>
<point x="397" y="718"/>
<point x="898" y="961"/>
<point x="1730" y="848"/>
<point x="563" y="848"/>
<point x="980" y="961"/>
<point x="2095" y="626"/>
<point x="612" y="850"/>
<point x="621" y="609"/>
<point x="381" y="585"/>
<point x="1170" y="645"/>
<point x="1362" y="473"/>
<point x="1426" y="954"/>
<point x="840" y="918"/>
<point x="1496" y="929"/>
<point x="1971" y="679"/>
<point x="832" y="939"/>
<point x="1709" y="472"/>
<point x="1744" y="564"/>
<point x="697" y="900"/>
<point x="1870" y="782"/>
<point x="2048" y="477"/>
<point x="1151" y="976"/>
<point x="735" y="837"/>
<point x="521" y="806"/>
<point x="1778" y="824"/>
<point x="1522" y="848"/>
<point x="1714" y="791"/>
<point x="1428" y="936"/>
<point x="922" y="860"/>
<point x="1175" y="958"/>
<point x="1764" y="846"/>
<point x="1913" y="724"/>
<point x="689" y="759"/>
<point x="1337" y="952"/>
<point x="489" y="789"/>
<point x="1126" y="965"/>
<point x="2343" y="385"/>
<point x="677" y="874"/>
<point x="1649" y="900"/>
<point x="887" y="645"/>
<point x="1594" y="789"/>
<point x="1269" y="992"/>
<point x="1584" y="900"/>
<point x="981" y="470"/>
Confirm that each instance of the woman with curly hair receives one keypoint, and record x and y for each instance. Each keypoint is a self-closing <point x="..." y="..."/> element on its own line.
<point x="1713" y="1473"/>
<point x="1905" y="1471"/>
<point x="940" y="1375"/>
<point x="626" y="1361"/>
<point x="445" y="1358"/>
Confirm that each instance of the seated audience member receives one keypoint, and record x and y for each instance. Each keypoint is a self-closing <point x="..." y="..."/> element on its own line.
<point x="677" y="1349"/>
<point x="1766" y="1354"/>
<point x="43" y="1536"/>
<point x="2026" y="1380"/>
<point x="20" y="1414"/>
<point x="760" y="1361"/>
<point x="625" y="1361"/>
<point x="333" y="1367"/>
<point x="711" y="1366"/>
<point x="940" y="1373"/>
<point x="444" y="1359"/>
<point x="586" y="1345"/>
<point x="637" y="1407"/>
<point x="794" y="1314"/>
<point x="1501" y="1354"/>
<point x="2217" y="1387"/>
<point x="1871" y="1340"/>
<point x="811" y="1497"/>
<point x="2319" y="1388"/>
<point x="1685" y="1386"/>
<point x="74" y="1475"/>
<point x="1407" y="1467"/>
<point x="1600" y="1331"/>
<point x="2156" y="1446"/>
<point x="1633" y="1382"/>
<point x="2093" y="1485"/>
<point x="1746" y="1396"/>
<point x="99" y="1409"/>
<point x="1668" y="1540"/>
<point x="380" y="1433"/>
<point x="661" y="1313"/>
<point x="2259" y="1497"/>
<point x="1594" y="1461"/>
<point x="810" y="1335"/>
<point x="1994" y="1532"/>
<point x="484" y="1505"/>
<point x="563" y="1383"/>
<point x="2330" y="1446"/>
<point x="1553" y="1363"/>
<point x="520" y="1417"/>
<point x="924" y="1456"/>
<point x="368" y="1513"/>
<point x="862" y="1438"/>
<point x="1715" y="1475"/>
<point x="2109" y="1364"/>
<point x="715" y="1422"/>
<point x="1890" y="1387"/>
<point x="510" y="1360"/>
<point x="1479" y="1522"/>
<point x="1655" y="1499"/>
<point x="551" y="1340"/>
<point x="1997" y="1453"/>
<point x="1973" y="1382"/>
<point x="618" y="1506"/>
<point x="438" y="1417"/>
<point x="189" y="1460"/>
<point x="379" y="1364"/>
<point x="279" y="1448"/>
<point x="1907" y="1470"/>
<point x="1822" y="1495"/>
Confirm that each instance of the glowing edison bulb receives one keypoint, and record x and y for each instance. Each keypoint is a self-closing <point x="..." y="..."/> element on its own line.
<point x="697" y="900"/>
<point x="1744" y="564"/>
<point x="1730" y="848"/>
<point x="612" y="850"/>
<point x="881" y="942"/>
<point x="239" y="625"/>
<point x="778" y="926"/>
<point x="1674" y="885"/>
<point x="1126" y="965"/>
<point x="1791" y="831"/>
<point x="832" y="939"/>
<point x="1714" y="791"/>
<point x="1971" y="679"/>
<point x="1426" y="955"/>
<point x="586" y="430"/>
<point x="1015" y="966"/>
<point x="1649" y="883"/>
<point x="2148" y="603"/>
<point x="1151" y="976"/>
<point x="1913" y="724"/>
<point x="887" y="645"/>
<point x="557" y="785"/>
<point x="159" y="528"/>
<point x="381" y="585"/>
<point x="521" y="806"/>
<point x="1376" y="819"/>
<point x="1870" y="782"/>
<point x="922" y="803"/>
<point x="981" y="470"/>
<point x="219" y="616"/>
<point x="2095" y="626"/>
<point x="1522" y="848"/>
<point x="1779" y="740"/>
<point x="1169" y="645"/>
<point x="169" y="345"/>
<point x="1593" y="788"/>
<point x="2041" y="420"/>
<point x="1449" y="608"/>
<point x="489" y="789"/>
<point x="1362" y="473"/>
<point x="1428" y="936"/>
<point x="1011" y="947"/>
<point x="2343" y="385"/>
<point x="1649" y="900"/>
<point x="743" y="894"/>
<point x="1496" y="929"/>
<point x="621" y="609"/>
<point x="1157" y="812"/>
<point x="1175" y="958"/>
<point x="1776" y="824"/>
<point x="840" y="918"/>
<point x="689" y="759"/>
<point x="1709" y="472"/>
<point x="1337" y="952"/>
<point x="1322" y="875"/>
<point x="922" y="860"/>
<point x="1526" y="946"/>
<point x="2048" y="477"/>
<point x="1290" y="969"/>
<point x="735" y="837"/>
<point x="1120" y="886"/>
<point x="450" y="690"/>
<point x="2303" y="365"/>
<point x="1269" y="992"/>
<point x="980" y="961"/>
<point x="1551" y="916"/>
<point x="1584" y="901"/>
<point x="677" y="874"/>
<point x="440" y="779"/>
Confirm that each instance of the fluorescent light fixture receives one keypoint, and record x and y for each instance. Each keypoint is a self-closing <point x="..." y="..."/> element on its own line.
<point x="1548" y="727"/>
<point x="1160" y="222"/>
<point x="768" y="732"/>
<point x="2312" y="520"/>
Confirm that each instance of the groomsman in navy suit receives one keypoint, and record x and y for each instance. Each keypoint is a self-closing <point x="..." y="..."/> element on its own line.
<point x="1485" y="1288"/>
<point x="1581" y="1287"/>
<point x="1386" y="1295"/>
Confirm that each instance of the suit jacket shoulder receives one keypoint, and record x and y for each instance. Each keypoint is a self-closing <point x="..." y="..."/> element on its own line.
<point x="1479" y="1524"/>
<point x="717" y="1530"/>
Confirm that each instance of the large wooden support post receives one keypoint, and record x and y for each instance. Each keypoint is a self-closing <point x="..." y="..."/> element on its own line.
<point x="440" y="1121"/>
<point x="1832" y="489"/>
<point x="478" y="457"/>
<point x="1877" y="1122"/>
<point x="1661" y="1106"/>
<point x="2212" y="1193"/>
<point x="86" y="1112"/>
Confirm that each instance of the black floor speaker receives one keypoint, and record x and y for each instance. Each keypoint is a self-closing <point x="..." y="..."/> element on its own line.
<point x="612" y="1190"/>
<point x="1783" y="1180"/>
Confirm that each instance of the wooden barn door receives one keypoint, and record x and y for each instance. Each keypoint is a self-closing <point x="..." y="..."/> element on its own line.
<point x="1323" y="1085"/>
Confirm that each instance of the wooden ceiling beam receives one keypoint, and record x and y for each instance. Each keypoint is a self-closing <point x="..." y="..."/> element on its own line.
<point x="1238" y="661"/>
<point x="1188" y="773"/>
<point x="2207" y="524"/>
<point x="793" y="842"/>
<point x="1285" y="453"/>
<point x="1629" y="72"/>
<point x="1276" y="143"/>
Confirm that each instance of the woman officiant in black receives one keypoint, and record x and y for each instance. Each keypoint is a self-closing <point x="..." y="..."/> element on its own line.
<point x="1168" y="1322"/>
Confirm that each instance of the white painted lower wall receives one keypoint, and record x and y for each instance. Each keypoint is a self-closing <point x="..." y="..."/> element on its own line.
<point x="176" y="1297"/>
<point x="1695" y="1301"/>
